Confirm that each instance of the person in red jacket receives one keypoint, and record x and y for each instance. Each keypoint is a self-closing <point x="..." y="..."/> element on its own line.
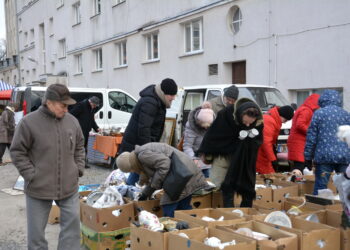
<point x="272" y="124"/>
<point x="297" y="138"/>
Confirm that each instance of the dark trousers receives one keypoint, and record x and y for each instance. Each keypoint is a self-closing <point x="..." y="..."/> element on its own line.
<point x="184" y="204"/>
<point x="2" y="149"/>
<point x="298" y="165"/>
<point x="228" y="200"/>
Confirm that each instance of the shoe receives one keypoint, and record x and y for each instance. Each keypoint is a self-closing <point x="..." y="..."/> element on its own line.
<point x="86" y="166"/>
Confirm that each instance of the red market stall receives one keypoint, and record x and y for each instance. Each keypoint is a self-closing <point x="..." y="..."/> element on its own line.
<point x="5" y="94"/>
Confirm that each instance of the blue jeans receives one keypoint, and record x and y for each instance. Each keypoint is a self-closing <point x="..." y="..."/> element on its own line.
<point x="132" y="179"/>
<point x="322" y="174"/>
<point x="206" y="172"/>
<point x="184" y="204"/>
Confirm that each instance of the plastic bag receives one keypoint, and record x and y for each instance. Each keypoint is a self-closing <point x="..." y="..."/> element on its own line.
<point x="110" y="197"/>
<point x="116" y="177"/>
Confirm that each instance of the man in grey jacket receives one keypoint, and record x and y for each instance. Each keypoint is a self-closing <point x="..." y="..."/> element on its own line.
<point x="48" y="151"/>
<point x="229" y="98"/>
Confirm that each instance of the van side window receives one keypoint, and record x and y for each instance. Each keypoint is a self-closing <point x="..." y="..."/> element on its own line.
<point x="121" y="101"/>
<point x="81" y="96"/>
<point x="213" y="93"/>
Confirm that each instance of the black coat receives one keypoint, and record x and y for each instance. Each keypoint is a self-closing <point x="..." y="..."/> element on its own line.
<point x="147" y="121"/>
<point x="222" y="138"/>
<point x="85" y="115"/>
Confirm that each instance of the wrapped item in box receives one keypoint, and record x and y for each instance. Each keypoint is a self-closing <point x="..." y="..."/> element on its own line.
<point x="152" y="206"/>
<point x="245" y="212"/>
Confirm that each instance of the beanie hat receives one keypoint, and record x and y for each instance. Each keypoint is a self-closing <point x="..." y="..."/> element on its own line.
<point x="168" y="86"/>
<point x="95" y="100"/>
<point x="286" y="112"/>
<point x="232" y="92"/>
<point x="123" y="162"/>
<point x="205" y="117"/>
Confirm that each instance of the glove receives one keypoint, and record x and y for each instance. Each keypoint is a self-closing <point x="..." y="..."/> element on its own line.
<point x="274" y="164"/>
<point x="81" y="173"/>
<point x="146" y="193"/>
<point x="308" y="164"/>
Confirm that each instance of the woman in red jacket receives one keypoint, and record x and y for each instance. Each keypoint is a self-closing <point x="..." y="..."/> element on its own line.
<point x="297" y="138"/>
<point x="272" y="124"/>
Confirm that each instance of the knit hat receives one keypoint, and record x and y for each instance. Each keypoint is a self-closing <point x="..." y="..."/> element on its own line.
<point x="168" y="86"/>
<point x="123" y="162"/>
<point x="60" y="93"/>
<point x="205" y="117"/>
<point x="286" y="112"/>
<point x="232" y="92"/>
<point x="95" y="100"/>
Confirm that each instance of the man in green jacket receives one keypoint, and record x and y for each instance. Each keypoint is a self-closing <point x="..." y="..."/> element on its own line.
<point x="48" y="151"/>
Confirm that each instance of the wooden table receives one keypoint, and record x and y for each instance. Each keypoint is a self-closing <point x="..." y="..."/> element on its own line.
<point x="108" y="145"/>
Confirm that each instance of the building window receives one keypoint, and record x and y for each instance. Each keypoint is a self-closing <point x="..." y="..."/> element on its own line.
<point x="59" y="3"/>
<point x="77" y="16"/>
<point x="213" y="69"/>
<point x="26" y="39"/>
<point x="62" y="48"/>
<point x="193" y="36"/>
<point x="32" y="36"/>
<point x="116" y="2"/>
<point x="51" y="26"/>
<point x="152" y="46"/>
<point x="121" y="53"/>
<point x="78" y="63"/>
<point x="98" y="59"/>
<point x="96" y="7"/>
<point x="235" y="19"/>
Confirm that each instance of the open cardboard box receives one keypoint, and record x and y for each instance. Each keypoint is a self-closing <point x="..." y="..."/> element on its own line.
<point x="333" y="218"/>
<point x="143" y="238"/>
<point x="287" y="189"/>
<point x="249" y="213"/>
<point x="313" y="236"/>
<point x="202" y="201"/>
<point x="307" y="186"/>
<point x="197" y="236"/>
<point x="195" y="216"/>
<point x="102" y="219"/>
<point x="296" y="201"/>
<point x="280" y="239"/>
<point x="152" y="206"/>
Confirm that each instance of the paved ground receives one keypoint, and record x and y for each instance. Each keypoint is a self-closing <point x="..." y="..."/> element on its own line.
<point x="12" y="208"/>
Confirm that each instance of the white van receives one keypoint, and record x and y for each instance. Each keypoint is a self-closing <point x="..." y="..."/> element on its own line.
<point x="191" y="97"/>
<point x="115" y="109"/>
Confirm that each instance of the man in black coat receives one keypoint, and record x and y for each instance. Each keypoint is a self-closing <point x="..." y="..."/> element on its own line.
<point x="147" y="120"/>
<point x="85" y="111"/>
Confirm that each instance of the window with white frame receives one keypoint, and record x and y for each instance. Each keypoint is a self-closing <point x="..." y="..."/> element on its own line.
<point x="235" y="19"/>
<point x="96" y="7"/>
<point x="98" y="59"/>
<point x="78" y="63"/>
<point x="115" y="2"/>
<point x="32" y="36"/>
<point x="59" y="3"/>
<point x="121" y="53"/>
<point x="193" y="36"/>
<point x="77" y="15"/>
<point x="25" y="39"/>
<point x="152" y="46"/>
<point x="62" y="48"/>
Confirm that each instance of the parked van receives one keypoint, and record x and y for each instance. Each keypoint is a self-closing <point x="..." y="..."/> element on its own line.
<point x="114" y="111"/>
<point x="189" y="98"/>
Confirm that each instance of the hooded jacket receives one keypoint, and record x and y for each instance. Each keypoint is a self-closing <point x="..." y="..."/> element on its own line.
<point x="322" y="144"/>
<point x="272" y="126"/>
<point x="49" y="153"/>
<point x="147" y="120"/>
<point x="217" y="104"/>
<point x="155" y="159"/>
<point x="7" y="125"/>
<point x="301" y="122"/>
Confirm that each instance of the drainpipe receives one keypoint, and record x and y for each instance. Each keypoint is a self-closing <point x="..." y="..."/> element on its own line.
<point x="275" y="76"/>
<point x="17" y="40"/>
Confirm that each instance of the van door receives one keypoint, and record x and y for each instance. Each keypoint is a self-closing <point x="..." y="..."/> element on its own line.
<point x="119" y="108"/>
<point x="27" y="101"/>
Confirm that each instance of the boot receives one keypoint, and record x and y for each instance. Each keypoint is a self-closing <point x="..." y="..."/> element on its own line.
<point x="227" y="199"/>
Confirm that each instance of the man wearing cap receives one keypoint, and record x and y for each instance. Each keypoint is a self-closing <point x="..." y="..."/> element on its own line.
<point x="48" y="151"/>
<point x="85" y="111"/>
<point x="229" y="98"/>
<point x="273" y="120"/>
<point x="147" y="120"/>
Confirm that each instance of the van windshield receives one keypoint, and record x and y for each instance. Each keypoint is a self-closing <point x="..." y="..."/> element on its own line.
<point x="266" y="98"/>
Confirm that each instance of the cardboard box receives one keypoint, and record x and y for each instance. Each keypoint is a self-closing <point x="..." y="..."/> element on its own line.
<point x="249" y="213"/>
<point x="102" y="219"/>
<point x="197" y="236"/>
<point x="297" y="201"/>
<point x="312" y="236"/>
<point x="264" y="195"/>
<point x="201" y="201"/>
<point x="333" y="219"/>
<point x="152" y="206"/>
<point x="113" y="240"/>
<point x="279" y="239"/>
<point x="288" y="189"/>
<point x="54" y="216"/>
<point x="143" y="238"/>
<point x="307" y="186"/>
<point x="216" y="200"/>
<point x="196" y="215"/>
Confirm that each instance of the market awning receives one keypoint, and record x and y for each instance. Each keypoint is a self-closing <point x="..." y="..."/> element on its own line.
<point x="5" y="86"/>
<point x="5" y="94"/>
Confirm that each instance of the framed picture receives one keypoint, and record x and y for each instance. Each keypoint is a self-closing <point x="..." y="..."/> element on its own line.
<point x="168" y="132"/>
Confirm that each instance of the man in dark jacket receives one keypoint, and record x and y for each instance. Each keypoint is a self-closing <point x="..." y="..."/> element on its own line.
<point x="48" y="151"/>
<point x="147" y="120"/>
<point x="85" y="111"/>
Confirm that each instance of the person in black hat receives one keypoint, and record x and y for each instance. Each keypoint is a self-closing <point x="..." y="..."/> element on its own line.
<point x="85" y="111"/>
<point x="147" y="120"/>
<point x="229" y="98"/>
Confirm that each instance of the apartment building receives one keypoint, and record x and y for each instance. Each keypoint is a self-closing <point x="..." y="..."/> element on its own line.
<point x="299" y="47"/>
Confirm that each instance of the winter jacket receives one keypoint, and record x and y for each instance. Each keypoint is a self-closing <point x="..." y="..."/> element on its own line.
<point x="155" y="159"/>
<point x="272" y="126"/>
<point x="7" y="125"/>
<point x="49" y="153"/>
<point x="301" y="122"/>
<point x="147" y="121"/>
<point x="86" y="117"/>
<point x="217" y="104"/>
<point x="322" y="144"/>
